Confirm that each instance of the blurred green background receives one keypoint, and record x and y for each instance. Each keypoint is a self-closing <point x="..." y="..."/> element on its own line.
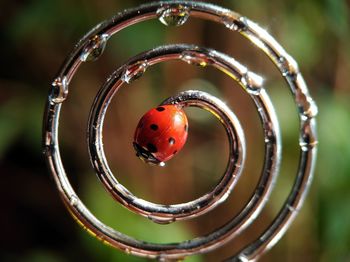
<point x="37" y="35"/>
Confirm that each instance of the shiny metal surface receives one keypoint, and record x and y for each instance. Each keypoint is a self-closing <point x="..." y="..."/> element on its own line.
<point x="176" y="13"/>
<point x="165" y="213"/>
<point x="170" y="213"/>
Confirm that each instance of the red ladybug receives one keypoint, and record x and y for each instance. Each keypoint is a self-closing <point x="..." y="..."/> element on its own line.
<point x="160" y="134"/>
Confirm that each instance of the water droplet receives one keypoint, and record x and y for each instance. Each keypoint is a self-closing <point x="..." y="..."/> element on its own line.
<point x="291" y="208"/>
<point x="193" y="57"/>
<point x="288" y="66"/>
<point x="269" y="134"/>
<point x="305" y="148"/>
<point x="134" y="71"/>
<point x="252" y="82"/>
<point x="161" y="258"/>
<point x="73" y="200"/>
<point x="311" y="110"/>
<point x="242" y="258"/>
<point x="94" y="48"/>
<point x="308" y="137"/>
<point x="48" y="138"/>
<point x="233" y="23"/>
<point x="173" y="15"/>
<point x="47" y="150"/>
<point x="306" y="105"/>
<point x="161" y="221"/>
<point x="59" y="90"/>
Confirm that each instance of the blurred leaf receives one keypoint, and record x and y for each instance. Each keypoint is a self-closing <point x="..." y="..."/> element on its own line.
<point x="333" y="175"/>
<point x="43" y="256"/>
<point x="21" y="116"/>
<point x="10" y="124"/>
<point x="40" y="20"/>
<point x="338" y="16"/>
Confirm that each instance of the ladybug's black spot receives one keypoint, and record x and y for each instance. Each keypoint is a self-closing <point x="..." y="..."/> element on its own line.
<point x="186" y="128"/>
<point x="154" y="127"/>
<point x="174" y="152"/>
<point x="171" y="141"/>
<point x="160" y="108"/>
<point x="152" y="148"/>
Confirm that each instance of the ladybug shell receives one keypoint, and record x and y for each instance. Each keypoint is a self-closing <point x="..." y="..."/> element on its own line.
<point x="161" y="133"/>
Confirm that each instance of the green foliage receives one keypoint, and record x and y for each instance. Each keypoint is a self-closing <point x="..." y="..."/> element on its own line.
<point x="333" y="171"/>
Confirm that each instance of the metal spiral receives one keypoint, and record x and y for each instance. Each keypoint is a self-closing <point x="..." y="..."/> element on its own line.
<point x="176" y="13"/>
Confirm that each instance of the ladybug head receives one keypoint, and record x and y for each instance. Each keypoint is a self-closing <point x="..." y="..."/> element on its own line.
<point x="146" y="156"/>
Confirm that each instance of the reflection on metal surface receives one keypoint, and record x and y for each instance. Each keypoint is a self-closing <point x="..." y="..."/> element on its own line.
<point x="176" y="13"/>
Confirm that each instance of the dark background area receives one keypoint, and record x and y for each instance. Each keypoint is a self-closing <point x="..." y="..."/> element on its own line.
<point x="37" y="35"/>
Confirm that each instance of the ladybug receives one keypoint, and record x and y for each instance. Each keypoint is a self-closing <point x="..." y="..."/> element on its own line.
<point x="160" y="134"/>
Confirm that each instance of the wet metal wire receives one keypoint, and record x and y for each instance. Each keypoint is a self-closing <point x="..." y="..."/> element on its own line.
<point x="176" y="13"/>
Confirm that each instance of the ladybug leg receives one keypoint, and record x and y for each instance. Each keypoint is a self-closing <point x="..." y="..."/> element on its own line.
<point x="146" y="156"/>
